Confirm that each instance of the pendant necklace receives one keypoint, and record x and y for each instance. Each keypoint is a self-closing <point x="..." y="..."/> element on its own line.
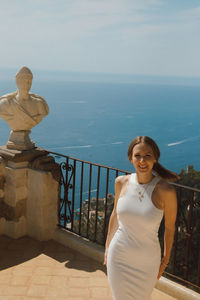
<point x="142" y="191"/>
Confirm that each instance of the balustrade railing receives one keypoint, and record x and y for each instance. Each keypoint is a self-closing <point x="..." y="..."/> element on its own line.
<point x="86" y="203"/>
<point x="87" y="196"/>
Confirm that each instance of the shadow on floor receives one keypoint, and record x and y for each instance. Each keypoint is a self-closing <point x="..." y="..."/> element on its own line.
<point x="17" y="251"/>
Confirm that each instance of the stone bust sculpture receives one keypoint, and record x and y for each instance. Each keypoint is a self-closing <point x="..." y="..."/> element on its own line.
<point x="22" y="111"/>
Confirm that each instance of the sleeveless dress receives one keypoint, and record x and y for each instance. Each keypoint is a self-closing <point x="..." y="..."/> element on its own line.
<point x="134" y="253"/>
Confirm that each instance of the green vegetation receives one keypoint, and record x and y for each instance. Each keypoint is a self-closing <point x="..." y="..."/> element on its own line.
<point x="101" y="225"/>
<point x="185" y="256"/>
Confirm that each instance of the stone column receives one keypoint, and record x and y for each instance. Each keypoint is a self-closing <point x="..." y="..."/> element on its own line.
<point x="42" y="203"/>
<point x="29" y="193"/>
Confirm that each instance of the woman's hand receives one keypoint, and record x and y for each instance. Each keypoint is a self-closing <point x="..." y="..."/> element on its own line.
<point x="105" y="257"/>
<point x="161" y="269"/>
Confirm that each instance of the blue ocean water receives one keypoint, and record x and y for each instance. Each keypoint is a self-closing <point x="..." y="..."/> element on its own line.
<point x="97" y="121"/>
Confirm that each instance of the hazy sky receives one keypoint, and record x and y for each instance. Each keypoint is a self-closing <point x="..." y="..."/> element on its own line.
<point x="158" y="37"/>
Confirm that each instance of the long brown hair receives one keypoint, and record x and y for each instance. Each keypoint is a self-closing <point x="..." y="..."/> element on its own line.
<point x="157" y="168"/>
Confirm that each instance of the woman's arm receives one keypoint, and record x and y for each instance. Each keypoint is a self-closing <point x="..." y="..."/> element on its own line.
<point x="170" y="212"/>
<point x="113" y="223"/>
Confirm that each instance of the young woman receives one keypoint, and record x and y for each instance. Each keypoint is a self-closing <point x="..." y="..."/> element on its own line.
<point x="132" y="253"/>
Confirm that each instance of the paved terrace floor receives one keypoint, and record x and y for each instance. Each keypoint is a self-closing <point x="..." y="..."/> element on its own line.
<point x="48" y="270"/>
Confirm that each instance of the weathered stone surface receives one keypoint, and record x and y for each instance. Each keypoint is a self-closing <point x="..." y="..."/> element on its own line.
<point x="20" y="140"/>
<point x="1" y="193"/>
<point x="13" y="196"/>
<point x="42" y="204"/>
<point x="15" y="188"/>
<point x="35" y="159"/>
<point x="2" y="166"/>
<point x="47" y="163"/>
<point x="21" y="155"/>
<point x="13" y="229"/>
<point x="2" y="176"/>
<point x="2" y="182"/>
<point x="16" y="177"/>
<point x="11" y="213"/>
<point x="29" y="195"/>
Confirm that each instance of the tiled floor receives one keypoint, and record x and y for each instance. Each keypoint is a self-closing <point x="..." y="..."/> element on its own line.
<point x="47" y="270"/>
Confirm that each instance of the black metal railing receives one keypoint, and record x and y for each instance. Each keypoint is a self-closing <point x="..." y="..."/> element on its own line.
<point x="184" y="265"/>
<point x="87" y="198"/>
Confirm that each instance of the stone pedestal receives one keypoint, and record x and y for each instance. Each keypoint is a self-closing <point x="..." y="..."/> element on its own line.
<point x="20" y="140"/>
<point x="29" y="192"/>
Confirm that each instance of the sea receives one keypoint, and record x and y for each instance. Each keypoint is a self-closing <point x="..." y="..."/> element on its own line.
<point x="95" y="120"/>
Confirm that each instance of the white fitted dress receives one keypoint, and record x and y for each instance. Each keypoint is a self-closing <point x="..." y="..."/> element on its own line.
<point x="134" y="252"/>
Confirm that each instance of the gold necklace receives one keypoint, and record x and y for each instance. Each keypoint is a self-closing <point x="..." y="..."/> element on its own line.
<point x="142" y="191"/>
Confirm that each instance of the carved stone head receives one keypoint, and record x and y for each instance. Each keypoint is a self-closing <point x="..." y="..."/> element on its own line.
<point x="24" y="79"/>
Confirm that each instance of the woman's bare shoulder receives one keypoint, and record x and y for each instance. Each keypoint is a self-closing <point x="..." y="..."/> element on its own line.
<point x="121" y="183"/>
<point x="122" y="179"/>
<point x="165" y="187"/>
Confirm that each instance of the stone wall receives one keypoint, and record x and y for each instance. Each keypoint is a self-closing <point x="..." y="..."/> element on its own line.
<point x="29" y="193"/>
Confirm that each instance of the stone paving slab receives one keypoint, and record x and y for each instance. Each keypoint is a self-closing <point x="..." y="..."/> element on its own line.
<point x="32" y="270"/>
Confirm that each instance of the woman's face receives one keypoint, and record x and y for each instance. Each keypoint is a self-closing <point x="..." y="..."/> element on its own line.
<point x="143" y="158"/>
